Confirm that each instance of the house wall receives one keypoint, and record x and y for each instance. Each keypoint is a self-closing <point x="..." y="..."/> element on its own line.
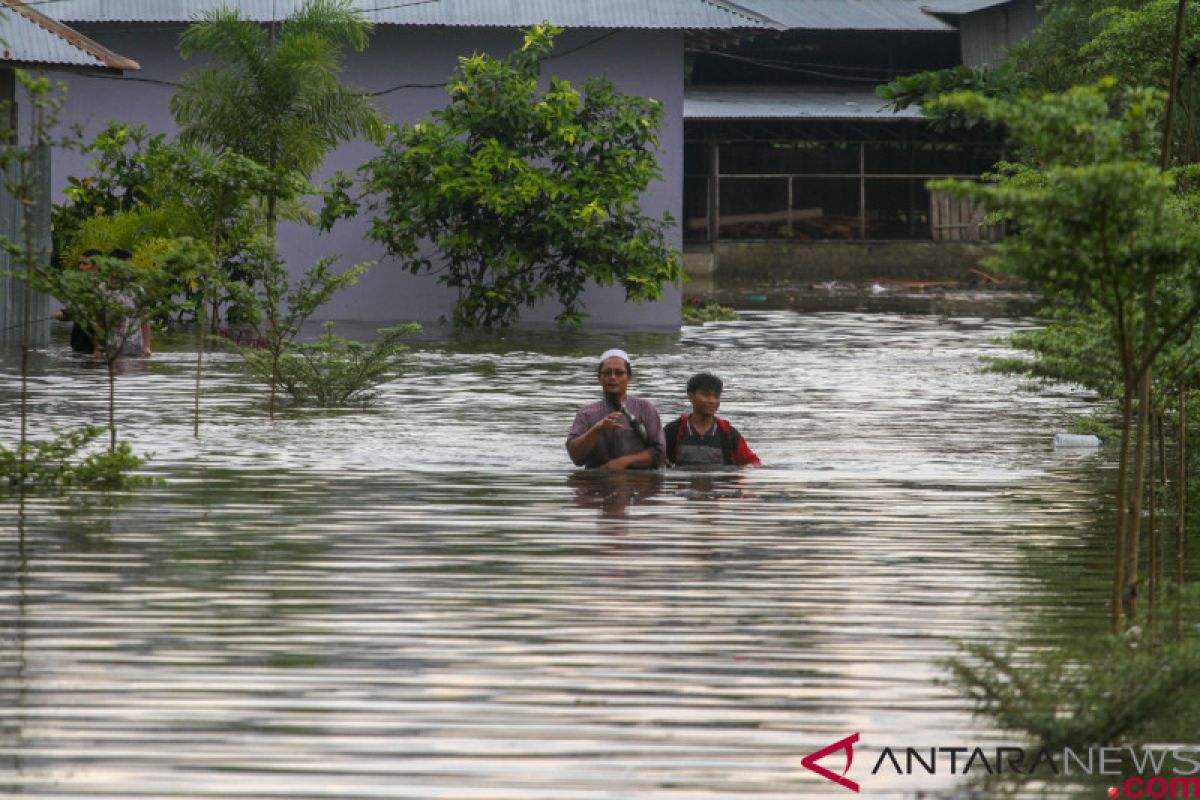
<point x="397" y="64"/>
<point x="988" y="34"/>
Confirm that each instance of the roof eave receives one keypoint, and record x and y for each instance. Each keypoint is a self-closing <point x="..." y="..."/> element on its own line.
<point x="112" y="62"/>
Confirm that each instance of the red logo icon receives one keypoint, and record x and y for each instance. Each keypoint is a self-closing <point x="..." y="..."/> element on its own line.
<point x="1113" y="791"/>
<point x="847" y="744"/>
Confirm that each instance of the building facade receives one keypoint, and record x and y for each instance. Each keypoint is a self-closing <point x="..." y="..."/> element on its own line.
<point x="639" y="46"/>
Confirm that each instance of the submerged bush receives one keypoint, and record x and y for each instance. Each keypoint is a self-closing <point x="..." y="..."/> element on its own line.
<point x="52" y="463"/>
<point x="695" y="309"/>
<point x="334" y="371"/>
<point x="1076" y="700"/>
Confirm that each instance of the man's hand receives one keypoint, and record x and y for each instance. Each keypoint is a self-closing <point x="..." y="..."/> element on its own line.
<point x="610" y="423"/>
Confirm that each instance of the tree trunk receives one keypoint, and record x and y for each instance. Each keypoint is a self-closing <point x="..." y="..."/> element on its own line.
<point x="200" y="322"/>
<point x="1173" y="86"/>
<point x="1152" y="582"/>
<point x="1180" y="509"/>
<point x="112" y="404"/>
<point x="1122" y="495"/>
<point x="26" y="343"/>
<point x="274" y="382"/>
<point x="1129" y="593"/>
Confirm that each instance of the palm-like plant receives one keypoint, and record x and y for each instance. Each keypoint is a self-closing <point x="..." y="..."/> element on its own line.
<point x="275" y="96"/>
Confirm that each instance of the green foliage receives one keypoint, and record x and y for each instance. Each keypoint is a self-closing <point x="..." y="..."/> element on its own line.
<point x="119" y="174"/>
<point x="921" y="88"/>
<point x="526" y="193"/>
<point x="58" y="464"/>
<point x="335" y="371"/>
<point x="1077" y="347"/>
<point x="1097" y="224"/>
<point x="281" y="308"/>
<point x="1116" y="692"/>
<point x="698" y="311"/>
<point x="1050" y="59"/>
<point x="275" y="96"/>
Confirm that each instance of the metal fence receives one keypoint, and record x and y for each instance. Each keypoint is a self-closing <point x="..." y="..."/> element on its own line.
<point x="849" y="190"/>
<point x="30" y="167"/>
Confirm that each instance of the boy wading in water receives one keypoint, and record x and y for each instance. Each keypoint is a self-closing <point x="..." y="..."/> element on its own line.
<point x="702" y="438"/>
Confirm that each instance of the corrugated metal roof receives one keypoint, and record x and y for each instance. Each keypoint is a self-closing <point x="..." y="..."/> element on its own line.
<point x="789" y="104"/>
<point x="33" y="39"/>
<point x="638" y="14"/>
<point x="956" y="8"/>
<point x="856" y="15"/>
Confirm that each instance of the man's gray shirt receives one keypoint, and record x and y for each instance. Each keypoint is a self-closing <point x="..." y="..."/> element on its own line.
<point x="623" y="442"/>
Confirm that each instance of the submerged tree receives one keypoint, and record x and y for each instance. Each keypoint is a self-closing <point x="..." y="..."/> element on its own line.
<point x="1100" y="226"/>
<point x="282" y="306"/>
<point x="525" y="193"/>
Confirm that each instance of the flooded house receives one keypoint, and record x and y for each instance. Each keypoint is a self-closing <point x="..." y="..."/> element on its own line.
<point x="776" y="155"/>
<point x="640" y="46"/>
<point x="34" y="43"/>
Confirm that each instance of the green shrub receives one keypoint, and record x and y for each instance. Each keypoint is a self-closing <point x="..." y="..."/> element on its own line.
<point x="335" y="371"/>
<point x="53" y="464"/>
<point x="695" y="309"/>
<point x="1077" y="700"/>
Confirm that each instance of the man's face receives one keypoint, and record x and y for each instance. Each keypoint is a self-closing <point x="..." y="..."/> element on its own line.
<point x="705" y="401"/>
<point x="614" y="378"/>
<point x="86" y="264"/>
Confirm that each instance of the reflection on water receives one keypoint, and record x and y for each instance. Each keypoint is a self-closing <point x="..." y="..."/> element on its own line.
<point x="423" y="600"/>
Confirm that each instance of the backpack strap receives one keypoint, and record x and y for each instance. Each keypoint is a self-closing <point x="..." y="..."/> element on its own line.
<point x="728" y="440"/>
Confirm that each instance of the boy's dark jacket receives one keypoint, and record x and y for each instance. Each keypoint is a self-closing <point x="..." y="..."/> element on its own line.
<point x="734" y="450"/>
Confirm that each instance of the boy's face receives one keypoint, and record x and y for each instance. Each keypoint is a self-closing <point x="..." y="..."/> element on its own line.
<point x="86" y="264"/>
<point x="705" y="401"/>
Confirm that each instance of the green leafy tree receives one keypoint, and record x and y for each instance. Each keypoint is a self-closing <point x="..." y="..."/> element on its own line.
<point x="335" y="371"/>
<point x="1098" y="225"/>
<point x="525" y="193"/>
<point x="275" y="95"/>
<point x="282" y="307"/>
<point x="62" y="462"/>
<point x="116" y="299"/>
<point x="1079" y="42"/>
<point x="1134" y="44"/>
<point x="119" y="173"/>
<point x="1049" y="59"/>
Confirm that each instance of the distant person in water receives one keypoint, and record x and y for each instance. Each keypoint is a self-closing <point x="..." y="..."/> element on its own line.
<point x="621" y="431"/>
<point x="127" y="334"/>
<point x="702" y="438"/>
<point x="81" y="330"/>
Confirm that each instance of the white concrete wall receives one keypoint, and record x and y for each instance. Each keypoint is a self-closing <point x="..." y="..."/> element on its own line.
<point x="641" y="62"/>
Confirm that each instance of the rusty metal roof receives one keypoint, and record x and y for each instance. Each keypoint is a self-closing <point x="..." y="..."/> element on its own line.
<point x="30" y="38"/>
<point x="844" y="15"/>
<point x="814" y="103"/>
<point x="637" y="14"/>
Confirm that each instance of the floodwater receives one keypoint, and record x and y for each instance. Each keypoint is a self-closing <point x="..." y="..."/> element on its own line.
<point x="424" y="600"/>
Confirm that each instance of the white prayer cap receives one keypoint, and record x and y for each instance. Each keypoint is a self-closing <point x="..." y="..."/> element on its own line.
<point x="614" y="353"/>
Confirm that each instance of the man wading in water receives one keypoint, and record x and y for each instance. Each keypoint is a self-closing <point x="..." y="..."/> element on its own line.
<point x="620" y="431"/>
